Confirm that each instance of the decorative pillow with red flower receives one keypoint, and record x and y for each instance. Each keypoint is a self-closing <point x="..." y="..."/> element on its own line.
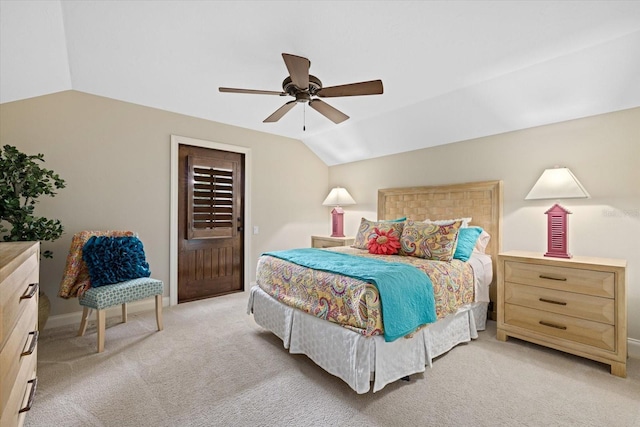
<point x="384" y="242"/>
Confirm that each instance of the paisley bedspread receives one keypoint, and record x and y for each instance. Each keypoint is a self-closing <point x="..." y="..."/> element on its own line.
<point x="353" y="303"/>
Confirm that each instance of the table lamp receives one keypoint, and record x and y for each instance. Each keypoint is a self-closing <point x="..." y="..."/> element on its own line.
<point x="338" y="197"/>
<point x="557" y="183"/>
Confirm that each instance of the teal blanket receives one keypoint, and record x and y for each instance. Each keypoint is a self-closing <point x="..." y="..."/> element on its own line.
<point x="406" y="293"/>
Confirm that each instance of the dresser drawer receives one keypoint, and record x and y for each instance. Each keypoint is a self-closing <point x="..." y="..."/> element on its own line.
<point x="20" y="393"/>
<point x="16" y="289"/>
<point x="22" y="340"/>
<point x="583" y="306"/>
<point x="590" y="282"/>
<point x="582" y="331"/>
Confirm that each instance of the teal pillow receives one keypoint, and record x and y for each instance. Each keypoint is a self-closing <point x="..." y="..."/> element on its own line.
<point x="114" y="259"/>
<point x="467" y="238"/>
<point x="403" y="219"/>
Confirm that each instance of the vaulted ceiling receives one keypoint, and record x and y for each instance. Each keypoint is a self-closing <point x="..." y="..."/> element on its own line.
<point x="452" y="70"/>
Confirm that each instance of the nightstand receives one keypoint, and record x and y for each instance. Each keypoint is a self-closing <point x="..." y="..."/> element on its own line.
<point x="330" y="242"/>
<point x="575" y="305"/>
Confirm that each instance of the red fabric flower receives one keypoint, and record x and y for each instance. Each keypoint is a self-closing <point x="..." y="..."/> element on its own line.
<point x="384" y="242"/>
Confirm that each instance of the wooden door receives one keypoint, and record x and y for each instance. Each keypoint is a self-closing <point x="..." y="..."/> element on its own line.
<point x="210" y="223"/>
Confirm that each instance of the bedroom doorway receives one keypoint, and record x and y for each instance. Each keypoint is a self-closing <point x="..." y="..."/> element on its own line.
<point x="210" y="222"/>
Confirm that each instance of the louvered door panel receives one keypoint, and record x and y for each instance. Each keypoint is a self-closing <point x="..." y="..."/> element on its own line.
<point x="211" y="198"/>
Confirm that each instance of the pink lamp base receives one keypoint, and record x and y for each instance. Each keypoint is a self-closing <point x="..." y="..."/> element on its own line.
<point x="558" y="255"/>
<point x="557" y="232"/>
<point x="337" y="222"/>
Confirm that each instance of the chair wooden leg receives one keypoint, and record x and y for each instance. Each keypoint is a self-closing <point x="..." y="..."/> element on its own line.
<point x="86" y="312"/>
<point x="124" y="312"/>
<point x="159" y="312"/>
<point x="102" y="318"/>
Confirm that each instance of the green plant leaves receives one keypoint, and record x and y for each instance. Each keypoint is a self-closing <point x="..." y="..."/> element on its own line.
<point x="22" y="182"/>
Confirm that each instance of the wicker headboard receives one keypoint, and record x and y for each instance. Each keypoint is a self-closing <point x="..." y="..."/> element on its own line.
<point x="482" y="201"/>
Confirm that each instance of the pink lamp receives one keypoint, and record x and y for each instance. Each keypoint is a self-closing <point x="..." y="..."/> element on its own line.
<point x="338" y="197"/>
<point x="557" y="183"/>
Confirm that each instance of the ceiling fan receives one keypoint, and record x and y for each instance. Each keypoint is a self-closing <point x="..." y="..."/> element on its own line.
<point x="305" y="88"/>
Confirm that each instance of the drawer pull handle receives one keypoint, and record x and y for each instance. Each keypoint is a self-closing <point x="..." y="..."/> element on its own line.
<point x="544" y="276"/>
<point x="32" y="292"/>
<point x="550" y="301"/>
<point x="34" y="342"/>
<point x="32" y="395"/>
<point x="551" y="325"/>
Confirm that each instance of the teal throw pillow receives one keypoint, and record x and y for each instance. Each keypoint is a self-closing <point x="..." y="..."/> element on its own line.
<point x="403" y="219"/>
<point x="114" y="259"/>
<point x="467" y="238"/>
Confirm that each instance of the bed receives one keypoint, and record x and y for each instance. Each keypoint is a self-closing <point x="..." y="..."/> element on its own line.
<point x="348" y="341"/>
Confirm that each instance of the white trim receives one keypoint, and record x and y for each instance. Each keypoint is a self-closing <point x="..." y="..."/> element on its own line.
<point x="173" y="227"/>
<point x="633" y="348"/>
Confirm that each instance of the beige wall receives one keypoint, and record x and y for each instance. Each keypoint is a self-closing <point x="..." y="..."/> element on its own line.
<point x="602" y="151"/>
<point x="115" y="159"/>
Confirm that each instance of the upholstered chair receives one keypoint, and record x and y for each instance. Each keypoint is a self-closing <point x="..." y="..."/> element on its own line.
<point x="106" y="269"/>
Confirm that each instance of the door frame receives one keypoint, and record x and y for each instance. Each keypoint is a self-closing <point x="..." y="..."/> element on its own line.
<point x="177" y="140"/>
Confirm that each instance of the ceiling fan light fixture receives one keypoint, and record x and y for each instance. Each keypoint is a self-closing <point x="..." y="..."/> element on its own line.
<point x="303" y="97"/>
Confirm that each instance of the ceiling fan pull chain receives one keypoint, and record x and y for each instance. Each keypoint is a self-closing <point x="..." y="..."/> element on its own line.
<point x="304" y="117"/>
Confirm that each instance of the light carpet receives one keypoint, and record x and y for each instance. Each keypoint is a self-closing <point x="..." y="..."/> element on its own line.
<point x="213" y="366"/>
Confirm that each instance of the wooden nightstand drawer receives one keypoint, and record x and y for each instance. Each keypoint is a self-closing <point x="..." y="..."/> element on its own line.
<point x="590" y="282"/>
<point x="582" y="331"/>
<point x="330" y="242"/>
<point x="576" y="305"/>
<point x="583" y="306"/>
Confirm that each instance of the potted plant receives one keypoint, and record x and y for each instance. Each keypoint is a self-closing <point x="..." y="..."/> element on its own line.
<point x="22" y="182"/>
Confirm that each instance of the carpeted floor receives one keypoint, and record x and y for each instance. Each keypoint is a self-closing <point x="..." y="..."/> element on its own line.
<point x="213" y="366"/>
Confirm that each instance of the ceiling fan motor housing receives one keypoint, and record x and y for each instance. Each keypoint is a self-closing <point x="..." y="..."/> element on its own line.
<point x="314" y="86"/>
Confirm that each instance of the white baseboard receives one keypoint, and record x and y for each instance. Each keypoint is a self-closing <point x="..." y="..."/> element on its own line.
<point x="633" y="348"/>
<point x="75" y="317"/>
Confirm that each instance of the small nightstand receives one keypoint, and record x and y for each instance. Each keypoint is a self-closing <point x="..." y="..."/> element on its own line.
<point x="330" y="242"/>
<point x="575" y="305"/>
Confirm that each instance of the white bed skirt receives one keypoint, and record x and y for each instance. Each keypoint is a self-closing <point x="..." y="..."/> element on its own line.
<point x="360" y="360"/>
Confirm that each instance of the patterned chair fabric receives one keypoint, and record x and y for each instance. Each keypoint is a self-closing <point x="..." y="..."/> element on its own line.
<point x="121" y="293"/>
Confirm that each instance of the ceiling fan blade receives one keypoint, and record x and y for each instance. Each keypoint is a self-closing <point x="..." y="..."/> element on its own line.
<point x="298" y="70"/>
<point x="277" y="115"/>
<point x="373" y="87"/>
<point x="336" y="116"/>
<point x="252" y="91"/>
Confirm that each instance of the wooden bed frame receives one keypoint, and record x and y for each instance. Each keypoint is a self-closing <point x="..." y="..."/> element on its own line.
<point x="482" y="201"/>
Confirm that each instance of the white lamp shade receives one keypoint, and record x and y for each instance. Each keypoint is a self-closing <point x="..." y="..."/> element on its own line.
<point x="557" y="183"/>
<point x="339" y="197"/>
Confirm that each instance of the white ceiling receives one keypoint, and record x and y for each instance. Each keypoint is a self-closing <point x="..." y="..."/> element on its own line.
<point x="451" y="70"/>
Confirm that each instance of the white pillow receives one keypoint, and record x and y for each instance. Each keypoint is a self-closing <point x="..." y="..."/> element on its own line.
<point x="482" y="242"/>
<point x="465" y="222"/>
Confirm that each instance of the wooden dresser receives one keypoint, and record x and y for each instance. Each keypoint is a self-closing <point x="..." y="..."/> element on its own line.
<point x="330" y="242"/>
<point x="576" y="305"/>
<point x="19" y="275"/>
